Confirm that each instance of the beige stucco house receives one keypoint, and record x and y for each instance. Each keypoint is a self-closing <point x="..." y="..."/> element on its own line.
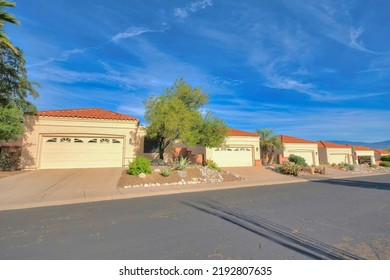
<point x="241" y="148"/>
<point x="300" y="147"/>
<point x="329" y="152"/>
<point x="364" y="154"/>
<point x="78" y="138"/>
<point x="378" y="153"/>
<point x="93" y="137"/>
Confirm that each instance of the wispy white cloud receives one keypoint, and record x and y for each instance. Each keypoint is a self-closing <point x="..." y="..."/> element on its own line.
<point x="134" y="32"/>
<point x="64" y="56"/>
<point x="193" y="7"/>
<point x="274" y="80"/>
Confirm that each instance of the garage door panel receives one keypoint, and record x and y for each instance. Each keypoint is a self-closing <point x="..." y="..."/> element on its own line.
<point x="77" y="152"/>
<point x="233" y="156"/>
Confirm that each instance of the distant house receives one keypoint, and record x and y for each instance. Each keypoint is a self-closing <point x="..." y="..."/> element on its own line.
<point x="241" y="148"/>
<point x="300" y="147"/>
<point x="378" y="153"/>
<point x="364" y="154"/>
<point x="329" y="152"/>
<point x="94" y="137"/>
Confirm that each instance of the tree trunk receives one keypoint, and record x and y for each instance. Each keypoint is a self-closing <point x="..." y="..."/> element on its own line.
<point x="161" y="149"/>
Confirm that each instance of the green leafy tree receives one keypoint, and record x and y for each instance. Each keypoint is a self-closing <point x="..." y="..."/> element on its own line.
<point x="9" y="18"/>
<point x="269" y="145"/>
<point x="10" y="123"/>
<point x="15" y="87"/>
<point x="175" y="114"/>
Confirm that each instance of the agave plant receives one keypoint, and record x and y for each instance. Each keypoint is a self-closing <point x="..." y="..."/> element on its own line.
<point x="182" y="163"/>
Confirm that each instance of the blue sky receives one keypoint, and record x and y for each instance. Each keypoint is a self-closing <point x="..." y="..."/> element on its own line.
<point x="310" y="69"/>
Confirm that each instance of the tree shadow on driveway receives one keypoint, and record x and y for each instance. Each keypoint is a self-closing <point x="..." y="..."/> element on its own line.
<point x="356" y="184"/>
<point x="279" y="234"/>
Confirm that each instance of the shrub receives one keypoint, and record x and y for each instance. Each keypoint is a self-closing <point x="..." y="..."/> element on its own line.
<point x="9" y="161"/>
<point x="212" y="165"/>
<point x="385" y="164"/>
<point x="385" y="158"/>
<point x="139" y="165"/>
<point x="290" y="168"/>
<point x="166" y="172"/>
<point x="334" y="165"/>
<point x="373" y="165"/>
<point x="182" y="163"/>
<point x="350" y="166"/>
<point x="297" y="160"/>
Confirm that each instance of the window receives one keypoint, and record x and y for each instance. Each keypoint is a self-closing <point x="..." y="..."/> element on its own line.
<point x="104" y="141"/>
<point x="51" y="140"/>
<point x="151" y="145"/>
<point x="116" y="141"/>
<point x="65" y="140"/>
<point x="92" y="141"/>
<point x="76" y="140"/>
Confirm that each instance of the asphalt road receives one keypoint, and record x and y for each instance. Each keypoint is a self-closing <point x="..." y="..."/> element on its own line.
<point x="334" y="219"/>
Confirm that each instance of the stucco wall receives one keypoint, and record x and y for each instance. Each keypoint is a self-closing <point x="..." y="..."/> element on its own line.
<point x="38" y="127"/>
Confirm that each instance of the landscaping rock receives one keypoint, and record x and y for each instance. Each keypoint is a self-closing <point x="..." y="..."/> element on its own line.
<point x="142" y="176"/>
<point x="182" y="174"/>
<point x="157" y="170"/>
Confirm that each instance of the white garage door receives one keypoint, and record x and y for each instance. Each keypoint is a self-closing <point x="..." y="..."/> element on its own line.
<point x="233" y="156"/>
<point x="81" y="152"/>
<point x="307" y="155"/>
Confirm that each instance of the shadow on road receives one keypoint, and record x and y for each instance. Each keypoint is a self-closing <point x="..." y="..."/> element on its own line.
<point x="356" y="184"/>
<point x="283" y="236"/>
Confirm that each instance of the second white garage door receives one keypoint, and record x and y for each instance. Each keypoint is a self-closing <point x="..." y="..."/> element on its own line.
<point x="81" y="152"/>
<point x="233" y="156"/>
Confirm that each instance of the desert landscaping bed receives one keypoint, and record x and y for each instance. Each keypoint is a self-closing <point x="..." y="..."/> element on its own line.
<point x="191" y="175"/>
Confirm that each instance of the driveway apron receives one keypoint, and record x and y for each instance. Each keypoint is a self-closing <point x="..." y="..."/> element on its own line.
<point x="58" y="184"/>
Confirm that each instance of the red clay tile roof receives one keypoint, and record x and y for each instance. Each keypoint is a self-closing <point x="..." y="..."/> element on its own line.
<point x="381" y="152"/>
<point x="87" y="113"/>
<point x="360" y="148"/>
<point x="290" y="139"/>
<point x="325" y="144"/>
<point x="236" y="132"/>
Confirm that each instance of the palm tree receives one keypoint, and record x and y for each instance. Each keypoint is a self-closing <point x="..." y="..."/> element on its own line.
<point x="6" y="17"/>
<point x="269" y="145"/>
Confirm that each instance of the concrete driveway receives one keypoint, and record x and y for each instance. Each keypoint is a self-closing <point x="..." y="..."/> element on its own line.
<point x="53" y="185"/>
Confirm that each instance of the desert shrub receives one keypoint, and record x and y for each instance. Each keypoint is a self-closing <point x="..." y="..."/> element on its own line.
<point x="320" y="170"/>
<point x="334" y="165"/>
<point x="182" y="163"/>
<point x="297" y="160"/>
<point x="139" y="165"/>
<point x="349" y="166"/>
<point x="385" y="158"/>
<point x="9" y="161"/>
<point x="385" y="163"/>
<point x="290" y="168"/>
<point x="212" y="165"/>
<point x="373" y="165"/>
<point x="166" y="172"/>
